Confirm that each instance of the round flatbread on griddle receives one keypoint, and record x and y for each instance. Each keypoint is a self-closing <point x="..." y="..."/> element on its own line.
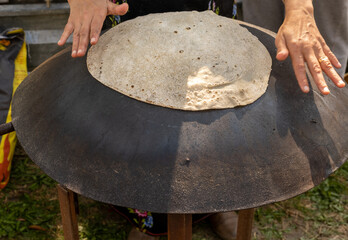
<point x="183" y="60"/>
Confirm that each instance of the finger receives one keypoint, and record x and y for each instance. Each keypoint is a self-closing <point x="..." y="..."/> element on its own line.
<point x="330" y="71"/>
<point x="75" y="44"/>
<point x="300" y="71"/>
<point x="84" y="37"/>
<point x="282" y="50"/>
<point x="69" y="28"/>
<point x="330" y="54"/>
<point x="114" y="9"/>
<point x="96" y="26"/>
<point x="316" y="72"/>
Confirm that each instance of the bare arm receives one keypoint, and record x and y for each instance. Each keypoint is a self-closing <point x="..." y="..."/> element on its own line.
<point x="85" y="22"/>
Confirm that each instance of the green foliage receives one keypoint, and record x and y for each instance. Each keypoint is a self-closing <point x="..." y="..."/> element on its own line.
<point x="98" y="222"/>
<point x="24" y="205"/>
<point x="269" y="219"/>
<point x="319" y="213"/>
<point x="328" y="195"/>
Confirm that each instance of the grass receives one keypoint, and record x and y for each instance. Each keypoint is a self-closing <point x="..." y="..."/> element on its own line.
<point x="321" y="213"/>
<point x="28" y="205"/>
<point x="29" y="209"/>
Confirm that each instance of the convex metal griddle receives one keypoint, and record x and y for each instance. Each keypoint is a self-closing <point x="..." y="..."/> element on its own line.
<point x="114" y="149"/>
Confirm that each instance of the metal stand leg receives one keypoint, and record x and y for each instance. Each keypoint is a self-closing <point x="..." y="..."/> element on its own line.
<point x="179" y="226"/>
<point x="245" y="224"/>
<point x="67" y="201"/>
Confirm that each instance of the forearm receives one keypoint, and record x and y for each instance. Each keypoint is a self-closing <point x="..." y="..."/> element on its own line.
<point x="298" y="5"/>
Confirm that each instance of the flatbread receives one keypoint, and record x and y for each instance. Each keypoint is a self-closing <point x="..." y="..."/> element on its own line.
<point x="183" y="60"/>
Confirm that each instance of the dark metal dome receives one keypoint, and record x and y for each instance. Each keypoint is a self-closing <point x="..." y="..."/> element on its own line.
<point x="114" y="149"/>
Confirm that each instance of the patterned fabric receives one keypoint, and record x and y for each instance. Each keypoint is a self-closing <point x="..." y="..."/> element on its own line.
<point x="212" y="5"/>
<point x="144" y="221"/>
<point x="147" y="222"/>
<point x="115" y="19"/>
<point x="154" y="224"/>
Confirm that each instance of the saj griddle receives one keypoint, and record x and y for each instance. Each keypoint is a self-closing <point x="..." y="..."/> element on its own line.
<point x="106" y="146"/>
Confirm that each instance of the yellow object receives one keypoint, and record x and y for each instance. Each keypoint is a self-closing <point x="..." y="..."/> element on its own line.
<point x="8" y="141"/>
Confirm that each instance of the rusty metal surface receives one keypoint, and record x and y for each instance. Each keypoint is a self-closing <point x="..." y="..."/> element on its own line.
<point x="114" y="149"/>
<point x="6" y="128"/>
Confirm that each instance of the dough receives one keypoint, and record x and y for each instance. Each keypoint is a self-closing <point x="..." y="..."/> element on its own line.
<point x="183" y="60"/>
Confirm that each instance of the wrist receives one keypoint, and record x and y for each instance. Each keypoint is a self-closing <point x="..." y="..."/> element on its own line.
<point x="296" y="5"/>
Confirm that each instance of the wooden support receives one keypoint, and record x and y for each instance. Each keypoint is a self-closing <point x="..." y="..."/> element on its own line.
<point x="245" y="224"/>
<point x="179" y="226"/>
<point x="67" y="202"/>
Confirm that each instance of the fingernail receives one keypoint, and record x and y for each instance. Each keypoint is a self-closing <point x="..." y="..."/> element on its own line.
<point x="79" y="51"/>
<point x="59" y="42"/>
<point x="93" y="40"/>
<point x="73" y="52"/>
<point x="326" y="89"/>
<point x="306" y="88"/>
<point x="341" y="82"/>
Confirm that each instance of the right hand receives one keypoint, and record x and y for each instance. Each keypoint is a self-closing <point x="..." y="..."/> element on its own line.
<point x="85" y="22"/>
<point x="300" y="38"/>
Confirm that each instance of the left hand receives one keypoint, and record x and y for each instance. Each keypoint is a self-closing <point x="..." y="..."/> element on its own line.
<point x="300" y="38"/>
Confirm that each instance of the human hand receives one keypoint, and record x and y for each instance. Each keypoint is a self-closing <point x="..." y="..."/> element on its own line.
<point x="300" y="38"/>
<point x="86" y="21"/>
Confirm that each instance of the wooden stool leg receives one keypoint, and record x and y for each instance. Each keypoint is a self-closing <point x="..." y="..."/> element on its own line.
<point x="245" y="224"/>
<point x="68" y="211"/>
<point x="179" y="226"/>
